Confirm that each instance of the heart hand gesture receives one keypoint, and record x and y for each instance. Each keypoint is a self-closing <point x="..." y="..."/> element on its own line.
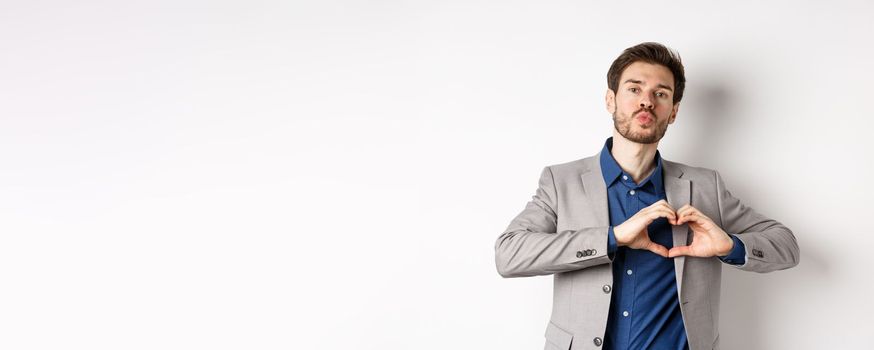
<point x="708" y="239"/>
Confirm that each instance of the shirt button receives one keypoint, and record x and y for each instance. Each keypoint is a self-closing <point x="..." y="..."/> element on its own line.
<point x="632" y="192"/>
<point x="625" y="313"/>
<point x="628" y="272"/>
<point x="624" y="177"/>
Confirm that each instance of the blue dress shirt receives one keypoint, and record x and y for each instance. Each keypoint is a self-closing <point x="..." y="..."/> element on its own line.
<point x="644" y="307"/>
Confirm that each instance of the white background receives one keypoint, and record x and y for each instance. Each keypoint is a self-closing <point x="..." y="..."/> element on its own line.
<point x="333" y="174"/>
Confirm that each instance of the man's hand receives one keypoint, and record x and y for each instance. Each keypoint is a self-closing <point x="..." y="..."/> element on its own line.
<point x="708" y="239"/>
<point x="632" y="233"/>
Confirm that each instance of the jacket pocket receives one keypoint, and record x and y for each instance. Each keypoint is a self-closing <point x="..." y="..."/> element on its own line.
<point x="558" y="337"/>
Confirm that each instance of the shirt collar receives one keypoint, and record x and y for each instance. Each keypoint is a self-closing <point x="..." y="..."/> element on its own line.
<point x="611" y="170"/>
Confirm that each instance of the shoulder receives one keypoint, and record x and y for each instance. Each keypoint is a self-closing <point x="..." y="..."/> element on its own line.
<point x="573" y="168"/>
<point x="698" y="175"/>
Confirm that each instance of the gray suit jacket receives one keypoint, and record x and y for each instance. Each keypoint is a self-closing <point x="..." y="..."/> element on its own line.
<point x="563" y="232"/>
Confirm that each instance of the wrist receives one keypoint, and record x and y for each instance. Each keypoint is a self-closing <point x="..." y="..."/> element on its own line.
<point x="617" y="234"/>
<point x="727" y="251"/>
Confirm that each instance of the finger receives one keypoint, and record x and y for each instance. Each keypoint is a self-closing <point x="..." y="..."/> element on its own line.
<point x="663" y="204"/>
<point x="666" y="205"/>
<point x="691" y="217"/>
<point x="697" y="219"/>
<point x="661" y="213"/>
<point x="686" y="209"/>
<point x="664" y="212"/>
<point x="658" y="249"/>
<point x="693" y="210"/>
<point x="672" y="218"/>
<point x="679" y="251"/>
<point x="680" y="219"/>
<point x="701" y="214"/>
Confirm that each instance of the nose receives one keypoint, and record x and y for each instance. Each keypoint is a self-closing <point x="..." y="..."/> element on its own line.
<point x="646" y="102"/>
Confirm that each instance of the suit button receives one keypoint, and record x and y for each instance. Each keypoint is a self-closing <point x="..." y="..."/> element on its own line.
<point x="597" y="341"/>
<point x="579" y="254"/>
<point x="606" y="288"/>
<point x="758" y="253"/>
<point x="594" y="252"/>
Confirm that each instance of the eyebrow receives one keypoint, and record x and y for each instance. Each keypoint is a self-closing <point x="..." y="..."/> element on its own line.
<point x="663" y="86"/>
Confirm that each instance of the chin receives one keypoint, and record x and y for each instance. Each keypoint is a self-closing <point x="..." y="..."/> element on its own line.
<point x="644" y="139"/>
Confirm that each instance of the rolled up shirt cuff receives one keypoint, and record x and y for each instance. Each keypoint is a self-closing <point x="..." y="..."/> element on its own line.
<point x="611" y="243"/>
<point x="738" y="255"/>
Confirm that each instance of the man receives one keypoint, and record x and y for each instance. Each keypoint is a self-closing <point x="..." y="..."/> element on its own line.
<point x="636" y="243"/>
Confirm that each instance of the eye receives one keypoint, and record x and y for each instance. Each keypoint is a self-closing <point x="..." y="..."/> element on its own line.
<point x="633" y="89"/>
<point x="661" y="94"/>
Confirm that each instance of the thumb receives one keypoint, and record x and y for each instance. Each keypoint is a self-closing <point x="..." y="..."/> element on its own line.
<point x="678" y="251"/>
<point x="658" y="249"/>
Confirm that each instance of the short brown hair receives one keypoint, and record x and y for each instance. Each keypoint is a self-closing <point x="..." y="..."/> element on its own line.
<point x="653" y="53"/>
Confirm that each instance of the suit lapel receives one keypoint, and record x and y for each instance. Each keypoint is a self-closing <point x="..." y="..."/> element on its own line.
<point x="679" y="193"/>
<point x="596" y="190"/>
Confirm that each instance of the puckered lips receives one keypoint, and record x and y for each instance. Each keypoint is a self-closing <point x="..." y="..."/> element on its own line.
<point x="644" y="117"/>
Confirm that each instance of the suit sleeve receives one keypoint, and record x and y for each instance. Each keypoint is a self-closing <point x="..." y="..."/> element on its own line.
<point x="768" y="244"/>
<point x="530" y="245"/>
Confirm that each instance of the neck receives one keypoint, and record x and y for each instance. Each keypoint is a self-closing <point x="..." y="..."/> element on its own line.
<point x="634" y="158"/>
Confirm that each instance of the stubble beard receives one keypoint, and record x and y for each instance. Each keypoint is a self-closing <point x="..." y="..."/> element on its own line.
<point x="651" y="135"/>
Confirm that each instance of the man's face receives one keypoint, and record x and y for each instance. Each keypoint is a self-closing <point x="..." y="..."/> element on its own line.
<point x="642" y="106"/>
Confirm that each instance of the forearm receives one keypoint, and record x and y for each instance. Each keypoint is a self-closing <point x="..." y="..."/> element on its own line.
<point x="768" y="244"/>
<point x="520" y="252"/>
<point x="769" y="247"/>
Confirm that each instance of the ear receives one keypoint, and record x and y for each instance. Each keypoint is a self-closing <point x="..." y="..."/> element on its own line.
<point x="674" y="113"/>
<point x="610" y="99"/>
